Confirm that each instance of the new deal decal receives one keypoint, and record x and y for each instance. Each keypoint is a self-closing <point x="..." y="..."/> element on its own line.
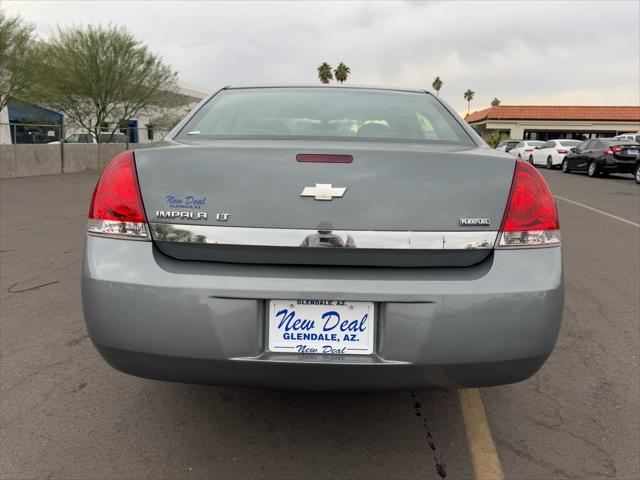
<point x="330" y="327"/>
<point x="185" y="202"/>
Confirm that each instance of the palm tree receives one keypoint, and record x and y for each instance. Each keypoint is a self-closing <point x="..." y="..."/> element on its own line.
<point x="324" y="72"/>
<point x="468" y="96"/>
<point x="437" y="85"/>
<point x="341" y="72"/>
<point x="495" y="102"/>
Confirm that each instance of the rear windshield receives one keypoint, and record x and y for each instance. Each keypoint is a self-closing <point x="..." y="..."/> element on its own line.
<point x="569" y="143"/>
<point x="326" y="113"/>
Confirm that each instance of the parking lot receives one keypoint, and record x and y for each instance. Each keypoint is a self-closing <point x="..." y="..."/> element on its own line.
<point x="66" y="414"/>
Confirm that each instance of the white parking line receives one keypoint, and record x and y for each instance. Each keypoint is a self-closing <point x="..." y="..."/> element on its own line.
<point x="598" y="211"/>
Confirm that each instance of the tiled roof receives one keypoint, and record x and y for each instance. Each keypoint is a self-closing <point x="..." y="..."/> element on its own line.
<point x="555" y="112"/>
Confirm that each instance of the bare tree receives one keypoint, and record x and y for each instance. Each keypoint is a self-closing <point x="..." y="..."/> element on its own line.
<point x="99" y="76"/>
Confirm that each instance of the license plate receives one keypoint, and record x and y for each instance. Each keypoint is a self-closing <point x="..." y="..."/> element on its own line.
<point x="632" y="152"/>
<point x="329" y="327"/>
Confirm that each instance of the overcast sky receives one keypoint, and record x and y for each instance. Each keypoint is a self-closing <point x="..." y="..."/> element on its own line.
<point x="573" y="53"/>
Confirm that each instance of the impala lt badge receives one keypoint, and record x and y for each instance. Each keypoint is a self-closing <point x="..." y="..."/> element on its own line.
<point x="185" y="215"/>
<point x="323" y="191"/>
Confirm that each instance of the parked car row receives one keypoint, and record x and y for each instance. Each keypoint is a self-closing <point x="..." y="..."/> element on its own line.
<point x="597" y="156"/>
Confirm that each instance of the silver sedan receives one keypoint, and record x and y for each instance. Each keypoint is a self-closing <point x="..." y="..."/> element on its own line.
<point x="323" y="238"/>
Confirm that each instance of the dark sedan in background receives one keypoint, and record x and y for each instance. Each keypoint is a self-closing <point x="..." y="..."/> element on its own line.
<point x="601" y="156"/>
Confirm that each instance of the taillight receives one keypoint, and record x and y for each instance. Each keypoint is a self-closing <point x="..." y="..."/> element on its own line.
<point x="531" y="217"/>
<point x="562" y="151"/>
<point x="116" y="207"/>
<point x="616" y="149"/>
<point x="608" y="152"/>
<point x="529" y="150"/>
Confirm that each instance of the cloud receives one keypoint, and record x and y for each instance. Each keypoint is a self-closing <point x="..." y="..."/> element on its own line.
<point x="520" y="52"/>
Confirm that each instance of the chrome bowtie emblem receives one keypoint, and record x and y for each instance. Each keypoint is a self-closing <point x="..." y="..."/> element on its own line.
<point x="323" y="191"/>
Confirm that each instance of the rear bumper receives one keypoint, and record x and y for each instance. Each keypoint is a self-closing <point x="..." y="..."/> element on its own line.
<point x="619" y="166"/>
<point x="200" y="322"/>
<point x="303" y="375"/>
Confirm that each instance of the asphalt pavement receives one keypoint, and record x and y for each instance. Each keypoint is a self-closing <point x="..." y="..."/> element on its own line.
<point x="65" y="414"/>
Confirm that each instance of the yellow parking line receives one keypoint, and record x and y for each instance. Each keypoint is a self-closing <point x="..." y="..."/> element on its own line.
<point x="599" y="211"/>
<point x="484" y="456"/>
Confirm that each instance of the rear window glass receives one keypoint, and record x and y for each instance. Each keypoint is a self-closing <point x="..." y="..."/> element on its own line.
<point x="325" y="113"/>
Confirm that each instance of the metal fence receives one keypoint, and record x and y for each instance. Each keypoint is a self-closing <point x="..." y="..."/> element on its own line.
<point x="32" y="133"/>
<point x="39" y="149"/>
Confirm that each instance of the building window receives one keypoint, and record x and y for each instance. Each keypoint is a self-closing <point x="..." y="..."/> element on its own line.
<point x="150" y="131"/>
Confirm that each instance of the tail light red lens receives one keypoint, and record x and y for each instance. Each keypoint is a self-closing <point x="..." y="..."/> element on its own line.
<point x="616" y="149"/>
<point x="562" y="151"/>
<point x="608" y="152"/>
<point x="531" y="216"/>
<point x="116" y="206"/>
<point x="528" y="150"/>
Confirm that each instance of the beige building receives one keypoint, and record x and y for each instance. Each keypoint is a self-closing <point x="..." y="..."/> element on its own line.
<point x="545" y="122"/>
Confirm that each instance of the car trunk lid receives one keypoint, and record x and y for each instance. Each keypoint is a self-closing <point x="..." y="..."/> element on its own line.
<point x="392" y="204"/>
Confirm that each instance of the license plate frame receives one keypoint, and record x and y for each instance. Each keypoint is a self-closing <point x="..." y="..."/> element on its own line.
<point x="321" y="327"/>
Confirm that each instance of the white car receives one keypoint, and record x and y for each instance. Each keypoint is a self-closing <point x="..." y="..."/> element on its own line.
<point x="634" y="137"/>
<point x="552" y="152"/>
<point x="507" y="145"/>
<point x="90" y="138"/>
<point x="525" y="148"/>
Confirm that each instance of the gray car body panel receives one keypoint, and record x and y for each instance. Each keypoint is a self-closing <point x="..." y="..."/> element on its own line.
<point x="154" y="316"/>
<point x="389" y="187"/>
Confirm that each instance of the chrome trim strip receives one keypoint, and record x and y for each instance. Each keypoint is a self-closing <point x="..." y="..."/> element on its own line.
<point x="289" y="237"/>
